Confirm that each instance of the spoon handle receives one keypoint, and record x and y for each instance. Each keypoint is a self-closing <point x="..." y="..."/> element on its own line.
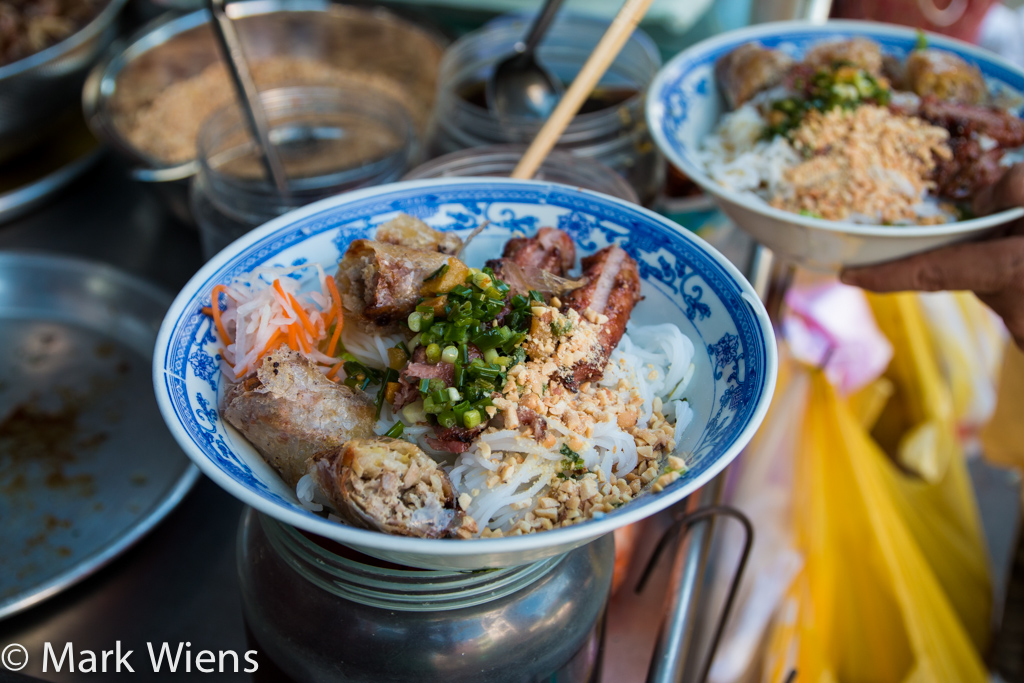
<point x="248" y="95"/>
<point x="540" y="25"/>
<point x="600" y="59"/>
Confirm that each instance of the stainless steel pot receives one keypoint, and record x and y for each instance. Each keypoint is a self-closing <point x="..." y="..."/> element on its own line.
<point x="175" y="48"/>
<point x="38" y="88"/>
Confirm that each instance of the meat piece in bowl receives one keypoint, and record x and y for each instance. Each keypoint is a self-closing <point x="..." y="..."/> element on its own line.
<point x="946" y="76"/>
<point x="748" y="70"/>
<point x="862" y="53"/>
<point x="289" y="411"/>
<point x="611" y="292"/>
<point x="381" y="283"/>
<point x="392" y="486"/>
<point x="409" y="231"/>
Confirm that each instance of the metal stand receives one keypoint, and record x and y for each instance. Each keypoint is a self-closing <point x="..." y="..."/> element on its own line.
<point x="676" y="640"/>
<point x="667" y="665"/>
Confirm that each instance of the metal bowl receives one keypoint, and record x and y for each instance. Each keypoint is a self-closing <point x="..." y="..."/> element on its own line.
<point x="36" y="89"/>
<point x="173" y="49"/>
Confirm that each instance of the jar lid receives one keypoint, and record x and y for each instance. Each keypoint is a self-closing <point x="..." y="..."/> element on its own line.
<point x="409" y="590"/>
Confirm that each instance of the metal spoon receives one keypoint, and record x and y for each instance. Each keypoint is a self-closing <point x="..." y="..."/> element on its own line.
<point x="520" y="87"/>
<point x="248" y="96"/>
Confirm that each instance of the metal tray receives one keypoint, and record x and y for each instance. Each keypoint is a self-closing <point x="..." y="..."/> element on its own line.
<point x="87" y="466"/>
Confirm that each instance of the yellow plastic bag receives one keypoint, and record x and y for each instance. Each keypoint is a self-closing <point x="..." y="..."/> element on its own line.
<point x="867" y="605"/>
<point x="938" y="506"/>
<point x="1003" y="438"/>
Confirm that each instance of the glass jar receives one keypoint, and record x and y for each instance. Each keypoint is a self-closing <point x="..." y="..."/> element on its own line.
<point x="321" y="612"/>
<point x="610" y="128"/>
<point x="500" y="160"/>
<point x="330" y="140"/>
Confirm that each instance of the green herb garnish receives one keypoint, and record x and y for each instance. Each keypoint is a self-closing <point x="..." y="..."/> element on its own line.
<point x="437" y="273"/>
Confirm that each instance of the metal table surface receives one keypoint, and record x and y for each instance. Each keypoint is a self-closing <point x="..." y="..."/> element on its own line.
<point x="179" y="583"/>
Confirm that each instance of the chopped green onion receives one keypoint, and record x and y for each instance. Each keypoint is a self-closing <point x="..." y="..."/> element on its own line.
<point x="449" y="355"/>
<point x="424" y="386"/>
<point x="415" y="321"/>
<point x="396" y="430"/>
<point x="437" y="273"/>
<point x="471" y="418"/>
<point x="430" y="407"/>
<point x="461" y="409"/>
<point x="490" y="355"/>
<point x="481" y="280"/>
<point x="453" y="394"/>
<point x="433" y="353"/>
<point x="389" y="376"/>
<point x="439" y="396"/>
<point x="446" y="419"/>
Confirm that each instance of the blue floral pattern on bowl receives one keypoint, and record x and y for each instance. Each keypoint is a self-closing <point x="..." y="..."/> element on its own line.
<point x="685" y="282"/>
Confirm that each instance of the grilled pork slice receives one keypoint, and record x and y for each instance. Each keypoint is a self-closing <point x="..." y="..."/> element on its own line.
<point x="380" y="283"/>
<point x="389" y="485"/>
<point x="289" y="411"/>
<point x="550" y="250"/>
<point x="408" y="231"/>
<point x="612" y="290"/>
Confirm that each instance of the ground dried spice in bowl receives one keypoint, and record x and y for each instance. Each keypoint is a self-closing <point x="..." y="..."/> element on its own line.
<point x="30" y="27"/>
<point x="166" y="127"/>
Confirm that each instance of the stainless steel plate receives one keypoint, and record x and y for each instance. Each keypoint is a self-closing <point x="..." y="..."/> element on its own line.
<point x="87" y="466"/>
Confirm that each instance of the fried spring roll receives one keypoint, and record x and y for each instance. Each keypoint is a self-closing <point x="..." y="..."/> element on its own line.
<point x="389" y="485"/>
<point x="946" y="76"/>
<point x="612" y="290"/>
<point x="408" y="231"/>
<point x="289" y="411"/>
<point x="380" y="283"/>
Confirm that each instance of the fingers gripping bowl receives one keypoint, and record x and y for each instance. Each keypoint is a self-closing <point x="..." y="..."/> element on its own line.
<point x="683" y="281"/>
<point x="687" y="106"/>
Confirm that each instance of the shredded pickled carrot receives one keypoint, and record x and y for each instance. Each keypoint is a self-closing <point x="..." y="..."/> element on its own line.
<point x="303" y="318"/>
<point x="333" y="372"/>
<point x="215" y="306"/>
<point x="303" y="342"/>
<point x="293" y="340"/>
<point x="333" y="345"/>
<point x="332" y="287"/>
<point x="207" y="311"/>
<point x="271" y="345"/>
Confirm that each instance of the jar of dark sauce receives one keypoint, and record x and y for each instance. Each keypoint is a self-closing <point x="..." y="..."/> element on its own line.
<point x="610" y="126"/>
<point x="322" y="612"/>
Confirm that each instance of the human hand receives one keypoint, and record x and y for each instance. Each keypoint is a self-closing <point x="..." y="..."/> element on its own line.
<point x="993" y="269"/>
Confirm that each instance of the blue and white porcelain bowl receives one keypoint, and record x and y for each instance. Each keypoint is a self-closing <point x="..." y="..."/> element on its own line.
<point x="684" y="105"/>
<point x="685" y="281"/>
